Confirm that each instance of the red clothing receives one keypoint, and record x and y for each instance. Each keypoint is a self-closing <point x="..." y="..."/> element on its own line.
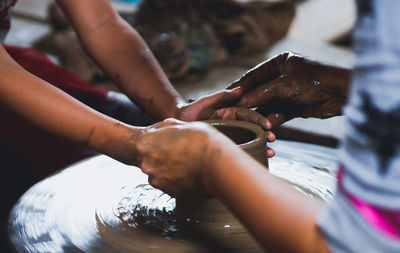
<point x="27" y="153"/>
<point x="44" y="152"/>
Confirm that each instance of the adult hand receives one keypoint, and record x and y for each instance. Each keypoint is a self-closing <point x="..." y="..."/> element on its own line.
<point x="174" y="157"/>
<point x="290" y="85"/>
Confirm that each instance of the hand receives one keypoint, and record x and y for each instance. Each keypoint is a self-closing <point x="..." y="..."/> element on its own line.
<point x="193" y="161"/>
<point x="290" y="85"/>
<point x="220" y="106"/>
<point x="119" y="140"/>
<point x="174" y="157"/>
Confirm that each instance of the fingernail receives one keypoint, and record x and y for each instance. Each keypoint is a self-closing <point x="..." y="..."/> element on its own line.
<point x="237" y="91"/>
<point x="268" y="125"/>
<point x="270" y="153"/>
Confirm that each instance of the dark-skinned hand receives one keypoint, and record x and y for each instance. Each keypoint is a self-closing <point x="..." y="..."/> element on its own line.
<point x="289" y="85"/>
<point x="220" y="106"/>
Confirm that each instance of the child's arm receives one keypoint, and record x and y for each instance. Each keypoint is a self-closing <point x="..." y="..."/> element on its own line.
<point x="279" y="217"/>
<point x="123" y="55"/>
<point x="57" y="112"/>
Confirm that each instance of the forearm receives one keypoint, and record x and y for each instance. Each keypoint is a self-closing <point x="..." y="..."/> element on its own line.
<point x="55" y="111"/>
<point x="123" y="55"/>
<point x="279" y="217"/>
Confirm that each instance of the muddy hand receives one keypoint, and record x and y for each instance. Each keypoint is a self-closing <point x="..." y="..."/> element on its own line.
<point x="124" y="149"/>
<point x="175" y="156"/>
<point x="290" y="85"/>
<point x="220" y="106"/>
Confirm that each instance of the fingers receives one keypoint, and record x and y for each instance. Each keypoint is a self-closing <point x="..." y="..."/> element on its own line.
<point x="162" y="185"/>
<point x="245" y="114"/>
<point x="270" y="153"/>
<point x="271" y="137"/>
<point x="262" y="94"/>
<point x="205" y="106"/>
<point x="262" y="73"/>
<point x="251" y="116"/>
<point x="221" y="99"/>
<point x="152" y="165"/>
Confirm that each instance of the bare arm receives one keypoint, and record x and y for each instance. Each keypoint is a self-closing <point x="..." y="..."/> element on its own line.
<point x="120" y="51"/>
<point x="123" y="55"/>
<point x="279" y="217"/>
<point x="55" y="111"/>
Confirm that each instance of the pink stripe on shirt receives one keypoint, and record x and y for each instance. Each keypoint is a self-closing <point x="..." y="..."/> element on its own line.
<point x="385" y="221"/>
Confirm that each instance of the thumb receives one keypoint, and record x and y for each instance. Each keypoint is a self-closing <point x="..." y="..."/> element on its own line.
<point x="262" y="73"/>
<point x="262" y="94"/>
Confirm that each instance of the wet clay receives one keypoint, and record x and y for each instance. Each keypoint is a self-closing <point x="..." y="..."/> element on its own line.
<point x="101" y="205"/>
<point x="237" y="134"/>
<point x="250" y="137"/>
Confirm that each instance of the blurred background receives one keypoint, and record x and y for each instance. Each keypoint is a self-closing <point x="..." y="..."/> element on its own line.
<point x="204" y="45"/>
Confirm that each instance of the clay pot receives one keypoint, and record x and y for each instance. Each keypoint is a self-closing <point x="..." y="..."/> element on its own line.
<point x="250" y="137"/>
<point x="211" y="215"/>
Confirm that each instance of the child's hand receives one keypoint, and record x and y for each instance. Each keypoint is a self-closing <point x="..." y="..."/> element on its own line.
<point x="220" y="106"/>
<point x="175" y="157"/>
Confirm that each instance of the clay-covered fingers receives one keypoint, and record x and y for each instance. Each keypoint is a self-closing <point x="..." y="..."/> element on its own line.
<point x="153" y="160"/>
<point x="262" y="94"/>
<point x="260" y="74"/>
<point x="174" y="157"/>
<point x="205" y="106"/>
<point x="244" y="114"/>
<point x="220" y="99"/>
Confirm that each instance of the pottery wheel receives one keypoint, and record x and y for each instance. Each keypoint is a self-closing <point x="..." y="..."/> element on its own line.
<point x="102" y="205"/>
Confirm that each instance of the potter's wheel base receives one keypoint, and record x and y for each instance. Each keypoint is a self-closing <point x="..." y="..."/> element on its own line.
<point x="101" y="205"/>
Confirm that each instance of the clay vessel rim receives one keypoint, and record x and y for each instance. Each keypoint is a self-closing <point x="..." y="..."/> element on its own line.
<point x="256" y="129"/>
